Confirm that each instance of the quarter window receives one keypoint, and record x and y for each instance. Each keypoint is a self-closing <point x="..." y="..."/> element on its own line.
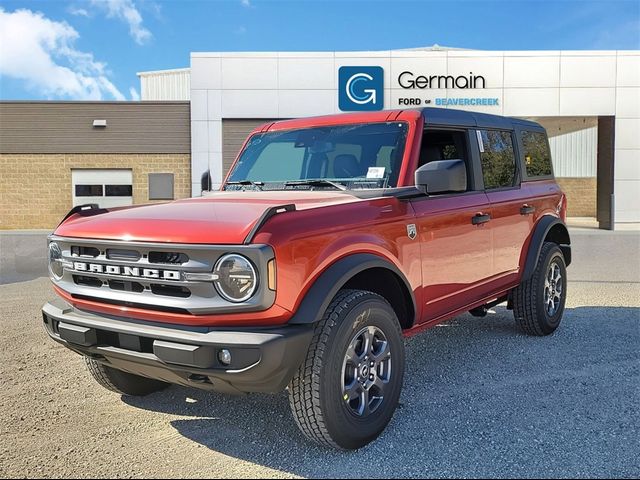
<point x="537" y="157"/>
<point x="498" y="159"/>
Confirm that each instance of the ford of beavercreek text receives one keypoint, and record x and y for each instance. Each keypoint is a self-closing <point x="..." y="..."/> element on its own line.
<point x="329" y="240"/>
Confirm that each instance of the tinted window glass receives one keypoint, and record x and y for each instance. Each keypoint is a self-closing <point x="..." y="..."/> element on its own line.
<point x="118" y="190"/>
<point x="537" y="157"/>
<point x="498" y="159"/>
<point x="88" y="190"/>
<point x="357" y="156"/>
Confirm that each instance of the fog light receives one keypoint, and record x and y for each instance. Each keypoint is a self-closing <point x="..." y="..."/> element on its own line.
<point x="225" y="357"/>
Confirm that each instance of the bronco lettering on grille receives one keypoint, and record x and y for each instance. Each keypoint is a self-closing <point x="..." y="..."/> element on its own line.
<point x="126" y="271"/>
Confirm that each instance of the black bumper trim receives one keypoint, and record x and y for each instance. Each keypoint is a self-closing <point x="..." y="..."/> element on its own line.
<point x="263" y="360"/>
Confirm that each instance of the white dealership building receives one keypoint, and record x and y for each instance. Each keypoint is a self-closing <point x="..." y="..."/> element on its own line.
<point x="589" y="101"/>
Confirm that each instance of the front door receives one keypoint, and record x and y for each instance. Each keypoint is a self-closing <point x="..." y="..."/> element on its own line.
<point x="456" y="252"/>
<point x="454" y="231"/>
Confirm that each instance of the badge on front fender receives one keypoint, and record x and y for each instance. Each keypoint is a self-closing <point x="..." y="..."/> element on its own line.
<point x="411" y="231"/>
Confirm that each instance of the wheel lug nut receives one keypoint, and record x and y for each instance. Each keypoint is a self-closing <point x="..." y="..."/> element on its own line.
<point x="372" y="364"/>
<point x="370" y="377"/>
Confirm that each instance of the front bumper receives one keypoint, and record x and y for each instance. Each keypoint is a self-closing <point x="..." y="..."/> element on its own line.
<point x="262" y="360"/>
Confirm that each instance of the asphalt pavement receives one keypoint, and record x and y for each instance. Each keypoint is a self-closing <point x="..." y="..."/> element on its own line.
<point x="480" y="399"/>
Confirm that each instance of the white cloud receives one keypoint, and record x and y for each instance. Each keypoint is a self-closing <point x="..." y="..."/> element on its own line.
<point x="246" y="3"/>
<point x="41" y="52"/>
<point x="78" y="12"/>
<point x="135" y="96"/>
<point x="126" y="10"/>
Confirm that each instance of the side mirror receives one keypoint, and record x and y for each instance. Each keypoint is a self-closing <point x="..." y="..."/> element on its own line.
<point x="442" y="176"/>
<point x="205" y="181"/>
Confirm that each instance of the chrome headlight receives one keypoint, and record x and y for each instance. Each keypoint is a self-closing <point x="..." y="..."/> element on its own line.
<point x="55" y="261"/>
<point x="237" y="278"/>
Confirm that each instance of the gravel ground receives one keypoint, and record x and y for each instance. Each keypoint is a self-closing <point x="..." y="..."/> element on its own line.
<point x="480" y="399"/>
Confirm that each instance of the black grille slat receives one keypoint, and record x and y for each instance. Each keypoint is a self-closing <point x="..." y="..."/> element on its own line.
<point x="123" y="255"/>
<point x="172" y="258"/>
<point x="87" y="281"/>
<point x="126" y="286"/>
<point x="90" y="252"/>
<point x="170" y="290"/>
<point x="122" y="303"/>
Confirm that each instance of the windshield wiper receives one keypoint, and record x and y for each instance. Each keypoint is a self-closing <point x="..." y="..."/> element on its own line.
<point x="315" y="182"/>
<point x="258" y="185"/>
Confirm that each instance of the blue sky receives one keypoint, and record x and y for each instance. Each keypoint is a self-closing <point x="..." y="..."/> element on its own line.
<point x="92" y="49"/>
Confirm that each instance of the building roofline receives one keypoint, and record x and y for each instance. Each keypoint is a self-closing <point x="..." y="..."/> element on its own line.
<point x="171" y="70"/>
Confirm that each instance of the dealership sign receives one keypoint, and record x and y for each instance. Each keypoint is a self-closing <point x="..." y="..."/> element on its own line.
<point x="362" y="89"/>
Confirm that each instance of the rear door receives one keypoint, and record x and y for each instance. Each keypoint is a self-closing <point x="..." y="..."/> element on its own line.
<point x="511" y="210"/>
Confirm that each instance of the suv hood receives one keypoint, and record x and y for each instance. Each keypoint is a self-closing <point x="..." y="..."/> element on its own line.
<point x="218" y="218"/>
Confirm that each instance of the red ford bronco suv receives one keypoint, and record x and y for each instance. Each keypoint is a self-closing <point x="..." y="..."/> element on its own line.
<point x="330" y="239"/>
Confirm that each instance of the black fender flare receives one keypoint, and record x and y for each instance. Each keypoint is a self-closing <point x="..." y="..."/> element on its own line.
<point x="326" y="286"/>
<point x="542" y="229"/>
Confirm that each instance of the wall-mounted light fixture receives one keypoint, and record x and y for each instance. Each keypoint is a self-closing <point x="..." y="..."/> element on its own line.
<point x="99" y="123"/>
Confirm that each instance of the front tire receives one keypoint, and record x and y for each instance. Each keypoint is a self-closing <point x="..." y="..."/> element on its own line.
<point x="345" y="392"/>
<point x="538" y="303"/>
<point x="121" y="382"/>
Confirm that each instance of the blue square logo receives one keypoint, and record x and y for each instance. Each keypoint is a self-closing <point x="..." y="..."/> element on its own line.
<point x="361" y="89"/>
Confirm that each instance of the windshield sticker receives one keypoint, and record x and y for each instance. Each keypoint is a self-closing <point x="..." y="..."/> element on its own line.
<point x="375" y="172"/>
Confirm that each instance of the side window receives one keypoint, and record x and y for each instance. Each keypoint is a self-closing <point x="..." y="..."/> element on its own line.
<point x="444" y="145"/>
<point x="537" y="157"/>
<point x="498" y="158"/>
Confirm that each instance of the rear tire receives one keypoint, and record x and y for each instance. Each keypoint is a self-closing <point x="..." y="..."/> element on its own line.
<point x="121" y="382"/>
<point x="538" y="303"/>
<point x="345" y="392"/>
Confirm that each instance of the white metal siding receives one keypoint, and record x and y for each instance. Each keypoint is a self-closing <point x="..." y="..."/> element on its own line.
<point x="574" y="145"/>
<point x="166" y="85"/>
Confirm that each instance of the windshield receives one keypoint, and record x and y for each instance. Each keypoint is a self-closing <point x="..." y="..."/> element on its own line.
<point x="335" y="157"/>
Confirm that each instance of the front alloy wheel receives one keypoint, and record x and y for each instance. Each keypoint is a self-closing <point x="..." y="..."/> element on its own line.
<point x="366" y="371"/>
<point x="347" y="389"/>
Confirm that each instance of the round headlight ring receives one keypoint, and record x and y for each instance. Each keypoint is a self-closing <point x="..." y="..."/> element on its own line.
<point x="55" y="261"/>
<point x="224" y="283"/>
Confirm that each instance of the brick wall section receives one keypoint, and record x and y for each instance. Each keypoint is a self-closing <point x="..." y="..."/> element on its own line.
<point x="581" y="195"/>
<point x="35" y="189"/>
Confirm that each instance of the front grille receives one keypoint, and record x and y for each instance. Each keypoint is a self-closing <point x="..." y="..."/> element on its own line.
<point x="152" y="276"/>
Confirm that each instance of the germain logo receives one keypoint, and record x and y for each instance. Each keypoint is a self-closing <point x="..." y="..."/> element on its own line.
<point x="125" y="271"/>
<point x="360" y="89"/>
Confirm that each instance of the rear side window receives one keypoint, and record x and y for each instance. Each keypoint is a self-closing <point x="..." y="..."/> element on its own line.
<point x="498" y="159"/>
<point x="537" y="157"/>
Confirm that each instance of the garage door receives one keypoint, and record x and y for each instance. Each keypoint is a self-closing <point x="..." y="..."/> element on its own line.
<point x="234" y="133"/>
<point x="107" y="188"/>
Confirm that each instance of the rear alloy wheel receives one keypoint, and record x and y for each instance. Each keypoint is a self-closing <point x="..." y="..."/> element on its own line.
<point x="538" y="303"/>
<point x="345" y="392"/>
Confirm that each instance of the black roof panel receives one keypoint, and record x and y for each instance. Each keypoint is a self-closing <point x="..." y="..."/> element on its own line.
<point x="452" y="117"/>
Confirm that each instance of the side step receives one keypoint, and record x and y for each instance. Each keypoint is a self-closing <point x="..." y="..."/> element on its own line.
<point x="482" y="310"/>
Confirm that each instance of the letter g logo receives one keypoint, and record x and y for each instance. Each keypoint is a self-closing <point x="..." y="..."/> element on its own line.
<point x="360" y="88"/>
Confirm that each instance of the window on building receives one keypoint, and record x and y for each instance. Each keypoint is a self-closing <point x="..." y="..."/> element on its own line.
<point x="498" y="159"/>
<point x="537" y="157"/>
<point x="88" y="190"/>
<point x="118" y="190"/>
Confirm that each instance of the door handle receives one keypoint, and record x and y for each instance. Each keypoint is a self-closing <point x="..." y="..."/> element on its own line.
<point x="479" y="218"/>
<point x="527" y="209"/>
